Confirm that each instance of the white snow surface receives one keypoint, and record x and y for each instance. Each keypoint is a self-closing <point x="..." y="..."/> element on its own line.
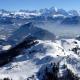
<point x="31" y="60"/>
<point x="6" y="47"/>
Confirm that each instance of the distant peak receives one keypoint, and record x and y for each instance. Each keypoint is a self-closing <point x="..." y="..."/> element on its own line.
<point x="54" y="8"/>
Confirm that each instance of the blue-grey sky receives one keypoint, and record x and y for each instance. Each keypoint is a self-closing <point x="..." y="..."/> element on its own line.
<point x="38" y="4"/>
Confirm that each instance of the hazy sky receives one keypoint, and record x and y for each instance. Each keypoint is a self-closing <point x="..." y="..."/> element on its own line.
<point x="38" y="4"/>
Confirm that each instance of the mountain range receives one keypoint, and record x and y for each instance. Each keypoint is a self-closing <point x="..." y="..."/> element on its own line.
<point x="52" y="14"/>
<point x="46" y="12"/>
<point x="40" y="45"/>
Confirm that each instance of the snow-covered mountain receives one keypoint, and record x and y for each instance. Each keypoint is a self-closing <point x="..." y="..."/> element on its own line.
<point x="32" y="61"/>
<point x="42" y="12"/>
<point x="31" y="64"/>
<point x="51" y="14"/>
<point x="33" y="47"/>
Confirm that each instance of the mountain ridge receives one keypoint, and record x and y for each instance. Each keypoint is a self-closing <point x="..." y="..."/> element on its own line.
<point x="52" y="10"/>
